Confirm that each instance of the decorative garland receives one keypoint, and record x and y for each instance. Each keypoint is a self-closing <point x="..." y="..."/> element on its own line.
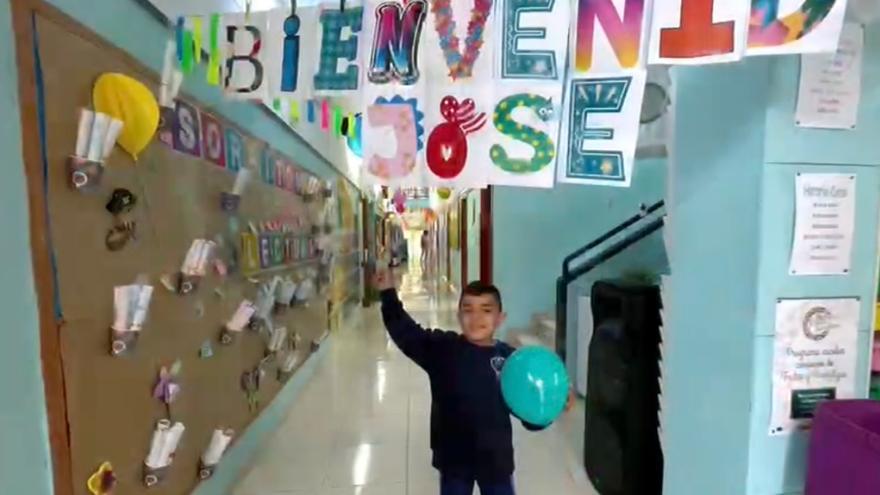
<point x="460" y="65"/>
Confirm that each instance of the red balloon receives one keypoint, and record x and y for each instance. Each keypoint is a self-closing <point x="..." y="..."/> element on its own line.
<point x="447" y="150"/>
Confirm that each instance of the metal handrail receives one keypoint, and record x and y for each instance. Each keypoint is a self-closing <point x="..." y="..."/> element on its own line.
<point x="606" y="254"/>
<point x="644" y="212"/>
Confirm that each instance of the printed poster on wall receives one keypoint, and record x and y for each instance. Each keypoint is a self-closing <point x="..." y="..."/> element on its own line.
<point x="524" y="134"/>
<point x="814" y="358"/>
<point x="601" y="130"/>
<point x="608" y="36"/>
<point x="795" y="26"/>
<point x="825" y="209"/>
<point x="688" y="32"/>
<point x="830" y="85"/>
<point x="532" y="44"/>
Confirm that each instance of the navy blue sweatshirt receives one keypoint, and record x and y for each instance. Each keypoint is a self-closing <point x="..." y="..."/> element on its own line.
<point x="471" y="432"/>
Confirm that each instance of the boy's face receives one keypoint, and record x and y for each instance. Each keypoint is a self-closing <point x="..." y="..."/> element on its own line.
<point x="480" y="316"/>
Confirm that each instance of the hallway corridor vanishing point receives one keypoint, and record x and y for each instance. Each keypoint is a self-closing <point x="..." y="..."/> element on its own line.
<point x="360" y="425"/>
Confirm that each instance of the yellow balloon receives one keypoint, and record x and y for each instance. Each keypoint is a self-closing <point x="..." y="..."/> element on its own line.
<point x="444" y="193"/>
<point x="128" y="100"/>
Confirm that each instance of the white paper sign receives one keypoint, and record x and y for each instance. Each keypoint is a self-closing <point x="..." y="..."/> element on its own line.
<point x="602" y="119"/>
<point x="814" y="358"/>
<point x="830" y="85"/>
<point x="825" y="207"/>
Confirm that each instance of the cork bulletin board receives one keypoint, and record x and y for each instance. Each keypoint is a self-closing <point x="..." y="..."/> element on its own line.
<point x="111" y="410"/>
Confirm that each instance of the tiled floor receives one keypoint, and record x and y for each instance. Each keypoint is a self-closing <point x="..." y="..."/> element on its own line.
<point x="360" y="426"/>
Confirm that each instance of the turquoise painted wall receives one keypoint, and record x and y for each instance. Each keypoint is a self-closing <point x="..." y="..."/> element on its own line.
<point x="777" y="464"/>
<point x="731" y="214"/>
<point x="25" y="462"/>
<point x="535" y="229"/>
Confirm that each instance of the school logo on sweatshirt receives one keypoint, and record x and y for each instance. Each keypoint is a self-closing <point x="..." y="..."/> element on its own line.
<point x="497" y="363"/>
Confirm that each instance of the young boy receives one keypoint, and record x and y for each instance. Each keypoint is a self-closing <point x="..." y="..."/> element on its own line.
<point x="470" y="422"/>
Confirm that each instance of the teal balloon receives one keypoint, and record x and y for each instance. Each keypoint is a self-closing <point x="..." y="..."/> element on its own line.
<point x="535" y="385"/>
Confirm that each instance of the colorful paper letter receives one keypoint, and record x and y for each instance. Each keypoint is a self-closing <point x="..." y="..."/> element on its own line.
<point x="213" y="142"/>
<point x="544" y="147"/>
<point x="624" y="34"/>
<point x="235" y="150"/>
<point x="290" y="62"/>
<point x="396" y="42"/>
<point x="333" y="48"/>
<point x="187" y="137"/>
<point x="813" y="27"/>
<point x="400" y="117"/>
<point x="520" y="63"/>
<point x="698" y="31"/>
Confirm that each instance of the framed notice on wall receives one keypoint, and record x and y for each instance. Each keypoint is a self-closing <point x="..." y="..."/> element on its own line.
<point x="814" y="358"/>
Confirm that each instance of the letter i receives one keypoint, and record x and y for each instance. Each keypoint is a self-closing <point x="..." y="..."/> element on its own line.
<point x="290" y="63"/>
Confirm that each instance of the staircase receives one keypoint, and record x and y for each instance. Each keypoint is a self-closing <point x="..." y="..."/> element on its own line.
<point x="541" y="332"/>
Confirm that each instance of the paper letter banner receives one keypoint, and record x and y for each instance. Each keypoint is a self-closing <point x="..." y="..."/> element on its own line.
<point x="187" y="132"/>
<point x="602" y="118"/>
<point x="339" y="51"/>
<point x="814" y="359"/>
<point x="524" y="134"/>
<point x="458" y="43"/>
<point x="607" y="38"/>
<point x="459" y="136"/>
<point x="692" y="32"/>
<point x="795" y="26"/>
<point x="246" y="56"/>
<point x="395" y="30"/>
<point x="393" y="138"/>
<point x="290" y="47"/>
<point x="213" y="140"/>
<point x="524" y="49"/>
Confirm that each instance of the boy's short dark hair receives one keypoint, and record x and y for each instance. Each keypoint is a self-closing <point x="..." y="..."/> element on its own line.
<point x="477" y="288"/>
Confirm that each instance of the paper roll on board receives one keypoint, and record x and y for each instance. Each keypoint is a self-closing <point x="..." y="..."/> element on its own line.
<point x="167" y="68"/>
<point x="113" y="131"/>
<point x="145" y="293"/>
<point x="219" y="442"/>
<point x="241" y="180"/>
<point x="86" y="117"/>
<point x="190" y="262"/>
<point x="169" y="446"/>
<point x="96" y="139"/>
<point x="121" y="304"/>
<point x="160" y="436"/>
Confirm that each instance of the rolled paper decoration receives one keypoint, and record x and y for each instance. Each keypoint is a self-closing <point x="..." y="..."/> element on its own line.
<point x="187" y="62"/>
<point x="310" y="111"/>
<point x="276" y="105"/>
<point x="197" y="38"/>
<point x="325" y="115"/>
<point x="351" y="126"/>
<point x="220" y="440"/>
<point x="214" y="51"/>
<point x="176" y="82"/>
<point x="343" y="127"/>
<point x="178" y="33"/>
<point x="190" y="262"/>
<point x="337" y="120"/>
<point x="241" y="180"/>
<point x="84" y="130"/>
<point x="121" y="304"/>
<point x="167" y="69"/>
<point x="294" y="111"/>
<point x="169" y="446"/>
<point x="145" y="293"/>
<point x="110" y="137"/>
<point x="160" y="438"/>
<point x="96" y="140"/>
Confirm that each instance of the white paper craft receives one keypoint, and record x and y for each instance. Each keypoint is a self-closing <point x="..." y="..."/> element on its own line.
<point x="100" y="125"/>
<point x="196" y="261"/>
<point x="166" y="438"/>
<point x="83" y="132"/>
<point x="131" y="304"/>
<point x="220" y="440"/>
<point x="242" y="316"/>
<point x="278" y="336"/>
<point x="825" y="209"/>
<point x="815" y="355"/>
<point x="830" y="85"/>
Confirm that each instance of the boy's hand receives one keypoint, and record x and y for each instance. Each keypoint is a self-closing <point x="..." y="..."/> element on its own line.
<point x="571" y="398"/>
<point x="383" y="279"/>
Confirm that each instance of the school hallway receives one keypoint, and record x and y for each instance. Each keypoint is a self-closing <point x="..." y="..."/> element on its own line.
<point x="360" y="425"/>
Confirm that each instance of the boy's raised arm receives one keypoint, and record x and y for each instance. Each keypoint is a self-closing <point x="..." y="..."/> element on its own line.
<point x="410" y="337"/>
